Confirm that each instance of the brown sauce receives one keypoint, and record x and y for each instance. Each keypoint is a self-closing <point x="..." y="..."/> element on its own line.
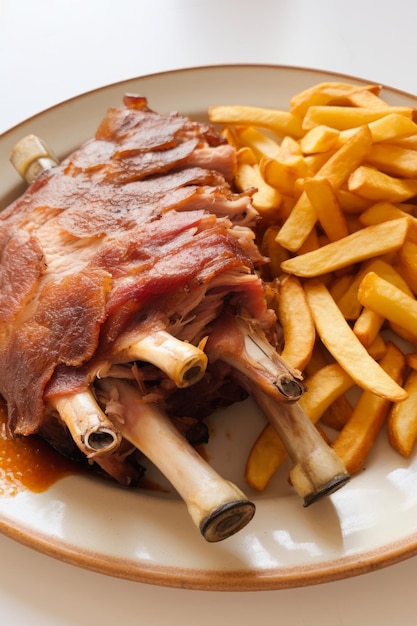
<point x="28" y="462"/>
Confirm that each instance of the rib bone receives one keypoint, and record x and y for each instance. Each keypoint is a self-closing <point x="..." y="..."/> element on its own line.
<point x="30" y="156"/>
<point x="317" y="470"/>
<point x="216" y="506"/>
<point x="241" y="343"/>
<point x="183" y="362"/>
<point x="91" y="430"/>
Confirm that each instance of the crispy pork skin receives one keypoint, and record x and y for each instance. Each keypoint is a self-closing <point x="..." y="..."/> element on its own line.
<point x="137" y="232"/>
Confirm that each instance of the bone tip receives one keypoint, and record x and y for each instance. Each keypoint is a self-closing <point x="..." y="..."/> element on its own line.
<point x="191" y="373"/>
<point x="290" y="388"/>
<point x="227" y="520"/>
<point x="333" y="485"/>
<point x="102" y="441"/>
<point x="31" y="153"/>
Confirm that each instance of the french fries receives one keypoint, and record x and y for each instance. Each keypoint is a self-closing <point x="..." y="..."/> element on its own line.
<point x="359" y="246"/>
<point x="342" y="239"/>
<point x="345" y="347"/>
<point x="387" y="300"/>
<point x="402" y="421"/>
<point x="296" y="322"/>
<point x="359" y="434"/>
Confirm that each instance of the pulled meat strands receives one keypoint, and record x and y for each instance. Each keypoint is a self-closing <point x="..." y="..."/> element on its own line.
<point x="216" y="506"/>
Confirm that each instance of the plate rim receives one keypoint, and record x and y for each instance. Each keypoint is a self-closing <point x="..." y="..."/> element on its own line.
<point x="245" y="580"/>
<point x="221" y="66"/>
<point x="249" y="579"/>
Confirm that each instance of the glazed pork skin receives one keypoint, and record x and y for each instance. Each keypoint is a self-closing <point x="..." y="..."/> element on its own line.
<point x="136" y="231"/>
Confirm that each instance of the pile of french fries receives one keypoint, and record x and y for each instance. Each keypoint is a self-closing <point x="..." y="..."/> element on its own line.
<point x="335" y="182"/>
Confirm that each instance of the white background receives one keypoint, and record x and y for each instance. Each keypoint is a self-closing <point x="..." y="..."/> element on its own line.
<point x="50" y="51"/>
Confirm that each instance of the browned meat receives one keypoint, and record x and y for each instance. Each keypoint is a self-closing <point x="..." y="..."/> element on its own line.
<point x="122" y="264"/>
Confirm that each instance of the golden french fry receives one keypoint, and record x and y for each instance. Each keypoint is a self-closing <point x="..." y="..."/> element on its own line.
<point x="392" y="127"/>
<point x="378" y="348"/>
<point x="316" y="161"/>
<point x="407" y="141"/>
<point x="340" y="285"/>
<point x="228" y="133"/>
<point x="387" y="271"/>
<point x="359" y="246"/>
<point x="394" y="160"/>
<point x="289" y="147"/>
<point x="336" y="169"/>
<point x="357" y="437"/>
<point x="246" y="156"/>
<point x="367" y="326"/>
<point x="345" y="347"/>
<point x="385" y="211"/>
<point x="388" y="300"/>
<point x="327" y="93"/>
<point x="345" y="117"/>
<point x="280" y="122"/>
<point x="337" y="414"/>
<point x="268" y="452"/>
<point x="296" y="322"/>
<point x="402" y="420"/>
<point x="319" y="139"/>
<point x="282" y="175"/>
<point x="266" y="199"/>
<point x="348" y="301"/>
<point x="275" y="253"/>
<point x="351" y="203"/>
<point x="265" y="457"/>
<point x="377" y="186"/>
<point x="366" y="98"/>
<point x="326" y="205"/>
<point x="407" y="263"/>
<point x="257" y="141"/>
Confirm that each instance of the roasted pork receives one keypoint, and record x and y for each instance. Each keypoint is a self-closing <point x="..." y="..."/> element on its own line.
<point x="129" y="287"/>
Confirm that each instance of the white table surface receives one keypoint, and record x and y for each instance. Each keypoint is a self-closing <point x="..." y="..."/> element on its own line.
<point x="50" y="51"/>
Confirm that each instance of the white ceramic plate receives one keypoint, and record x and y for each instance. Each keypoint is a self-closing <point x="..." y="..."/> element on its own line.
<point x="148" y="536"/>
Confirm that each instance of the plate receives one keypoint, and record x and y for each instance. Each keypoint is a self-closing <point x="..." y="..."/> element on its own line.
<point x="147" y="536"/>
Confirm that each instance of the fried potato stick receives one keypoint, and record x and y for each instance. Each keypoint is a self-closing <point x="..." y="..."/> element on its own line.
<point x="359" y="246"/>
<point x="336" y="170"/>
<point x="359" y="434"/>
<point x="345" y="347"/>
<point x="282" y="123"/>
<point x="296" y="322"/>
<point x="402" y="420"/>
<point x="390" y="301"/>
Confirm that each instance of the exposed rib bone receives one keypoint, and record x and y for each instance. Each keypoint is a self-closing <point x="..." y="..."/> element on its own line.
<point x="183" y="362"/>
<point x="30" y="156"/>
<point x="241" y="343"/>
<point x="217" y="507"/>
<point x="317" y="470"/>
<point x="91" y="430"/>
